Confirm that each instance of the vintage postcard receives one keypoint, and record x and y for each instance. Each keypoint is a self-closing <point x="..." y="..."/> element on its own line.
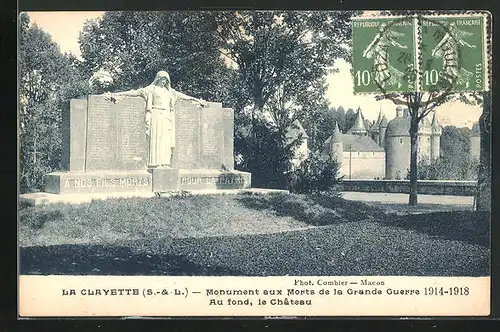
<point x="254" y="163"/>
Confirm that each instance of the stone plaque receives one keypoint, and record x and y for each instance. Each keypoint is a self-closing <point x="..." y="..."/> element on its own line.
<point x="212" y="137"/>
<point x="228" y="124"/>
<point x="116" y="134"/>
<point x="102" y="134"/>
<point x="132" y="148"/>
<point x="204" y="136"/>
<point x="187" y="132"/>
<point x="74" y="126"/>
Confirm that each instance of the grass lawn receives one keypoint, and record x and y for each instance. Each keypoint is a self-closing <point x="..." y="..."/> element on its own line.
<point x="254" y="235"/>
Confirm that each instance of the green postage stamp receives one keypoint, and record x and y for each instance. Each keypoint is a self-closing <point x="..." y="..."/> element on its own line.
<point x="453" y="51"/>
<point x="419" y="53"/>
<point x="384" y="54"/>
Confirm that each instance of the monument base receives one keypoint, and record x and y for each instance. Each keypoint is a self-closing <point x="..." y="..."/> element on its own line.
<point x="40" y="198"/>
<point x="83" y="187"/>
<point x="167" y="179"/>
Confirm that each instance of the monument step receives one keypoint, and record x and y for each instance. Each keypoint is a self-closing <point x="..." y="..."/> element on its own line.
<point x="41" y="198"/>
<point x="151" y="180"/>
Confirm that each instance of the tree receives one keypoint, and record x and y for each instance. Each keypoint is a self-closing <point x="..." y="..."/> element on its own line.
<point x="134" y="46"/>
<point x="455" y="143"/>
<point x="281" y="60"/>
<point x="272" y="167"/>
<point x="350" y="119"/>
<point x="463" y="169"/>
<point x="341" y="117"/>
<point x="419" y="105"/>
<point x="46" y="78"/>
<point x="455" y="162"/>
<point x="483" y="201"/>
<point x="319" y="125"/>
<point x="283" y="57"/>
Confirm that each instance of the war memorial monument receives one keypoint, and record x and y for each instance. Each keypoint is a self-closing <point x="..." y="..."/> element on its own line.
<point x="151" y="140"/>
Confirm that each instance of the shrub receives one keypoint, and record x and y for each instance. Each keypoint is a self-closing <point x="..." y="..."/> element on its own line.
<point x="315" y="175"/>
<point x="465" y="168"/>
<point x="265" y="153"/>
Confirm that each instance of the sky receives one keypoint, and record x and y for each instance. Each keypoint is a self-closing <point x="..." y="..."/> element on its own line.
<point x="64" y="27"/>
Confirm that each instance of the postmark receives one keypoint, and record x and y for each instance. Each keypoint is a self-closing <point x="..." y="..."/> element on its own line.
<point x="384" y="54"/>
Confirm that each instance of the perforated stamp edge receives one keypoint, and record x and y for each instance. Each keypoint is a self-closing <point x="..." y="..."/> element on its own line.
<point x="487" y="40"/>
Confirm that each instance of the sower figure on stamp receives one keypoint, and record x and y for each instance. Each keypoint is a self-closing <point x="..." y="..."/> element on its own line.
<point x="160" y="100"/>
<point x="448" y="48"/>
<point x="384" y="73"/>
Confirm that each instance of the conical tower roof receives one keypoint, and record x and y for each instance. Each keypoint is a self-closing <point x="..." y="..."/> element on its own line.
<point x="377" y="123"/>
<point x="436" y="128"/>
<point x="295" y="130"/>
<point x="435" y="123"/>
<point x="383" y="122"/>
<point x="359" y="125"/>
<point x="337" y="135"/>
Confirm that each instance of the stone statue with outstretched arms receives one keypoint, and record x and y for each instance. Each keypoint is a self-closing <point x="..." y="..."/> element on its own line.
<point x="160" y="100"/>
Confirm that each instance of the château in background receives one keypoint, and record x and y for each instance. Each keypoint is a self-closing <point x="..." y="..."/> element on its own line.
<point x="381" y="149"/>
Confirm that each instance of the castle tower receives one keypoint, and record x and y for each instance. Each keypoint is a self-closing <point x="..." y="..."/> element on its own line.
<point x="435" y="138"/>
<point x="475" y="141"/>
<point x="397" y="144"/>
<point x="375" y="133"/>
<point x="379" y="118"/>
<point x="375" y="128"/>
<point x="336" y="145"/>
<point x="359" y="127"/>
<point x="382" y="128"/>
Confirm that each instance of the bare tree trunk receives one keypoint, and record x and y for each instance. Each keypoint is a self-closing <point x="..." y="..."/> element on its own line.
<point x="483" y="202"/>
<point x="255" y="145"/>
<point x="413" y="199"/>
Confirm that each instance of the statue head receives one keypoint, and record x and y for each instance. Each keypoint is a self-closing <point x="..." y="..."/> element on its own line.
<point x="162" y="79"/>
